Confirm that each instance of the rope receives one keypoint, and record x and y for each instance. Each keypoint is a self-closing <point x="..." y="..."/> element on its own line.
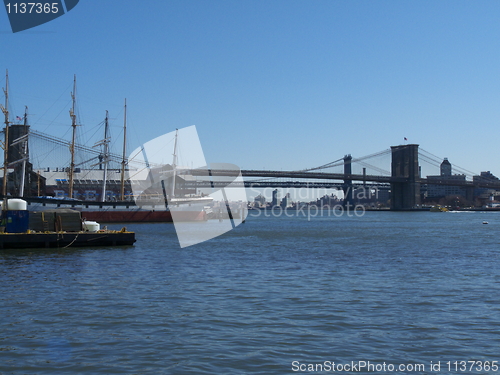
<point x="71" y="243"/>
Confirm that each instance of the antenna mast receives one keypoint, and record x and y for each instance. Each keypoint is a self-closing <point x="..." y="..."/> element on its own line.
<point x="73" y="139"/>
<point x="122" y="186"/>
<point x="5" y="110"/>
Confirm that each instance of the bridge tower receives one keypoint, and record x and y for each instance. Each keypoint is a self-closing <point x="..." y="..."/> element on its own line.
<point x="347" y="185"/>
<point x="405" y="190"/>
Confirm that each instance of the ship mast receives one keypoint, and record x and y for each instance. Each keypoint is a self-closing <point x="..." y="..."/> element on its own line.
<point x="5" y="110"/>
<point x="122" y="179"/>
<point x="24" y="152"/>
<point x="105" y="158"/>
<point x="73" y="139"/>
<point x="174" y="164"/>
<point x="21" y="148"/>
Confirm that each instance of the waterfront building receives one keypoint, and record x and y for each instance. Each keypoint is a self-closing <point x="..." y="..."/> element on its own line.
<point x="486" y="196"/>
<point x="484" y="177"/>
<point x="441" y="191"/>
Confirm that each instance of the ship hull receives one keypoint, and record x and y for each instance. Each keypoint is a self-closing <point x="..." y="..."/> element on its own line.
<point x="119" y="216"/>
<point x="120" y="212"/>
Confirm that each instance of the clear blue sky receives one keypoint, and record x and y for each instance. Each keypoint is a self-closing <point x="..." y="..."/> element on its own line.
<point x="271" y="84"/>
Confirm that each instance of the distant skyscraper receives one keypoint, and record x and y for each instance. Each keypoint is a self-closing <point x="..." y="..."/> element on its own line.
<point x="276" y="199"/>
<point x="445" y="168"/>
<point x="260" y="201"/>
<point x="286" y="201"/>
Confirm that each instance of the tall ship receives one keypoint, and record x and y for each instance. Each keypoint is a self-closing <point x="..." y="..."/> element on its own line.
<point x="103" y="186"/>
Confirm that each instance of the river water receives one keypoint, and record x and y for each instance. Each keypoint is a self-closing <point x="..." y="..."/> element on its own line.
<point x="277" y="295"/>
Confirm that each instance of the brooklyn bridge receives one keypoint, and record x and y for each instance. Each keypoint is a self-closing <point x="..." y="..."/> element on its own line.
<point x="404" y="182"/>
<point x="398" y="170"/>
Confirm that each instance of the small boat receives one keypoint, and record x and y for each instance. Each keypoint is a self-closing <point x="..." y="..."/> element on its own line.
<point x="485" y="222"/>
<point x="438" y="209"/>
<point x="61" y="228"/>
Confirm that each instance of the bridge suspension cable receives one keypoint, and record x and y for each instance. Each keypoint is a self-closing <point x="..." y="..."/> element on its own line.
<point x="383" y="171"/>
<point x="340" y="162"/>
<point x="436" y="160"/>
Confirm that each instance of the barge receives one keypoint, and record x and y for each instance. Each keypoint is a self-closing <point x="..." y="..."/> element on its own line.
<point x="65" y="239"/>
<point x="23" y="229"/>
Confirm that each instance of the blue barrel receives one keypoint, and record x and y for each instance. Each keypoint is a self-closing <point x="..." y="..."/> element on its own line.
<point x="16" y="221"/>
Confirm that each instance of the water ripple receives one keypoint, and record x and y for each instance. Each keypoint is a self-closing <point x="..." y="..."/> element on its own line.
<point x="393" y="287"/>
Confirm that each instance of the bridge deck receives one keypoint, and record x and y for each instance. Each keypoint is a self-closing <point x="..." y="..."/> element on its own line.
<point x="339" y="176"/>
